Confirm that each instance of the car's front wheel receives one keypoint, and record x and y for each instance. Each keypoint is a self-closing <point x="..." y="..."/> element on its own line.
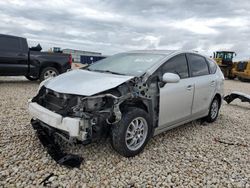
<point x="132" y="133"/>
<point x="214" y="110"/>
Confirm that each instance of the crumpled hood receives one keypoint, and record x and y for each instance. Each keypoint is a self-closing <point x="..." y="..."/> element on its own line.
<point x="86" y="83"/>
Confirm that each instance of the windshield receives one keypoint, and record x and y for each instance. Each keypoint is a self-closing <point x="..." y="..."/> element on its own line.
<point x="220" y="55"/>
<point x="134" y="64"/>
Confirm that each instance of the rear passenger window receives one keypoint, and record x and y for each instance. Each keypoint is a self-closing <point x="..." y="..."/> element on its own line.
<point x="177" y="65"/>
<point x="198" y="65"/>
<point x="9" y="43"/>
<point x="212" y="66"/>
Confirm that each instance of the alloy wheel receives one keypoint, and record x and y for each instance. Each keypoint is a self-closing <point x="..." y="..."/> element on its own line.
<point x="136" y="133"/>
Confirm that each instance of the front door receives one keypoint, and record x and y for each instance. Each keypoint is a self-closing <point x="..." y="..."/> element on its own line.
<point x="175" y="104"/>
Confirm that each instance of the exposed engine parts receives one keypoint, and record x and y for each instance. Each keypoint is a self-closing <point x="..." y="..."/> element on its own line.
<point x="98" y="112"/>
<point x="90" y="117"/>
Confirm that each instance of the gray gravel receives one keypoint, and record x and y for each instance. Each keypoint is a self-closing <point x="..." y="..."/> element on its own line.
<point x="187" y="156"/>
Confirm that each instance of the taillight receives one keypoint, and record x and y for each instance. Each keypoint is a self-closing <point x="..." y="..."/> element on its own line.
<point x="70" y="59"/>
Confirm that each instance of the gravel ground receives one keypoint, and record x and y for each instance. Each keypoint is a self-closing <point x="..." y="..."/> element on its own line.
<point x="188" y="156"/>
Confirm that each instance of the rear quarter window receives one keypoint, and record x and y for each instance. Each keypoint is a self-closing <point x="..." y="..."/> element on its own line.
<point x="212" y="65"/>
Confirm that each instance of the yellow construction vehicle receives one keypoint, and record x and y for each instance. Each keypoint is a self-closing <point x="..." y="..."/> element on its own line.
<point x="225" y="61"/>
<point x="241" y="69"/>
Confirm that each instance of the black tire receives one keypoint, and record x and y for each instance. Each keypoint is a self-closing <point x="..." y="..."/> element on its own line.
<point x="46" y="70"/>
<point x="231" y="77"/>
<point x="243" y="79"/>
<point x="211" y="116"/>
<point x="119" y="131"/>
<point x="32" y="78"/>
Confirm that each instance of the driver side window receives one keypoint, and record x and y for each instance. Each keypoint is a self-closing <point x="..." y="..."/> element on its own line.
<point x="177" y="65"/>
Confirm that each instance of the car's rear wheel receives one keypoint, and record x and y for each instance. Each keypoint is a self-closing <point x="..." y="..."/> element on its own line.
<point x="132" y="133"/>
<point x="48" y="72"/>
<point x="213" y="110"/>
<point x="243" y="79"/>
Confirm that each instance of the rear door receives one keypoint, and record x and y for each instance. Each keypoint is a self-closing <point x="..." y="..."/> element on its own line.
<point x="176" y="98"/>
<point x="204" y="83"/>
<point x="13" y="56"/>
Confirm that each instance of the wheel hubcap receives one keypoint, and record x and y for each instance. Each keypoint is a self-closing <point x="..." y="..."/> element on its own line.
<point x="214" y="109"/>
<point x="136" y="133"/>
<point x="49" y="74"/>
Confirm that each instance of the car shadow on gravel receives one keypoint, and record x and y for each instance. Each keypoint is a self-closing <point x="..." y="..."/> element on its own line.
<point x="15" y="79"/>
<point x="103" y="150"/>
<point x="162" y="143"/>
<point x="18" y="82"/>
<point x="240" y="106"/>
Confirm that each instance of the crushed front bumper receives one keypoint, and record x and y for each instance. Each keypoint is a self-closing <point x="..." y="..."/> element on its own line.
<point x="71" y="126"/>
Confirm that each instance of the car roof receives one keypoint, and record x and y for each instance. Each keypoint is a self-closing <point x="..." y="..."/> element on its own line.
<point x="167" y="55"/>
<point x="163" y="52"/>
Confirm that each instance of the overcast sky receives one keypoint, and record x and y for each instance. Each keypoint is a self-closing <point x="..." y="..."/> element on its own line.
<point x="111" y="26"/>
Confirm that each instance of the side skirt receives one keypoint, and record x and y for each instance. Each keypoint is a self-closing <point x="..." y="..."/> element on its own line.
<point x="164" y="128"/>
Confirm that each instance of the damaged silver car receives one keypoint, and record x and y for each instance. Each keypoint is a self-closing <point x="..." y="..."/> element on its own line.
<point x="130" y="97"/>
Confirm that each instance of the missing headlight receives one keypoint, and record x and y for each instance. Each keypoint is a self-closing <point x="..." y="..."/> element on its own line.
<point x="94" y="104"/>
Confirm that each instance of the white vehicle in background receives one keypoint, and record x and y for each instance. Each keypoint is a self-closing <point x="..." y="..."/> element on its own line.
<point x="130" y="97"/>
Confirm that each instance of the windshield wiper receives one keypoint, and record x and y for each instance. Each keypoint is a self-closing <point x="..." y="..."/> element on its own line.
<point x="107" y="71"/>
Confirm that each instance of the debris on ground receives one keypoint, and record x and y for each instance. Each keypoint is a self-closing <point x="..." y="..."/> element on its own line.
<point x="234" y="95"/>
<point x="55" y="151"/>
<point x="229" y="143"/>
<point x="46" y="181"/>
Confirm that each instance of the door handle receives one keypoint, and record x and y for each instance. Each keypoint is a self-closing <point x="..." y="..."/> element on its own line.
<point x="189" y="87"/>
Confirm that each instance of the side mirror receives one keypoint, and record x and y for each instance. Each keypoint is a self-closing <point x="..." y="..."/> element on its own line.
<point x="170" y="78"/>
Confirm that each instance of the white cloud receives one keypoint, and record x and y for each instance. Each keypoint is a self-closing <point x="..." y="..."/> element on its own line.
<point x="85" y="12"/>
<point x="150" y="42"/>
<point x="195" y="26"/>
<point x="20" y="22"/>
<point x="112" y="26"/>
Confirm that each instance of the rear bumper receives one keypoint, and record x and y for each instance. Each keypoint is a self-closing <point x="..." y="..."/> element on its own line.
<point x="66" y="68"/>
<point x="72" y="126"/>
